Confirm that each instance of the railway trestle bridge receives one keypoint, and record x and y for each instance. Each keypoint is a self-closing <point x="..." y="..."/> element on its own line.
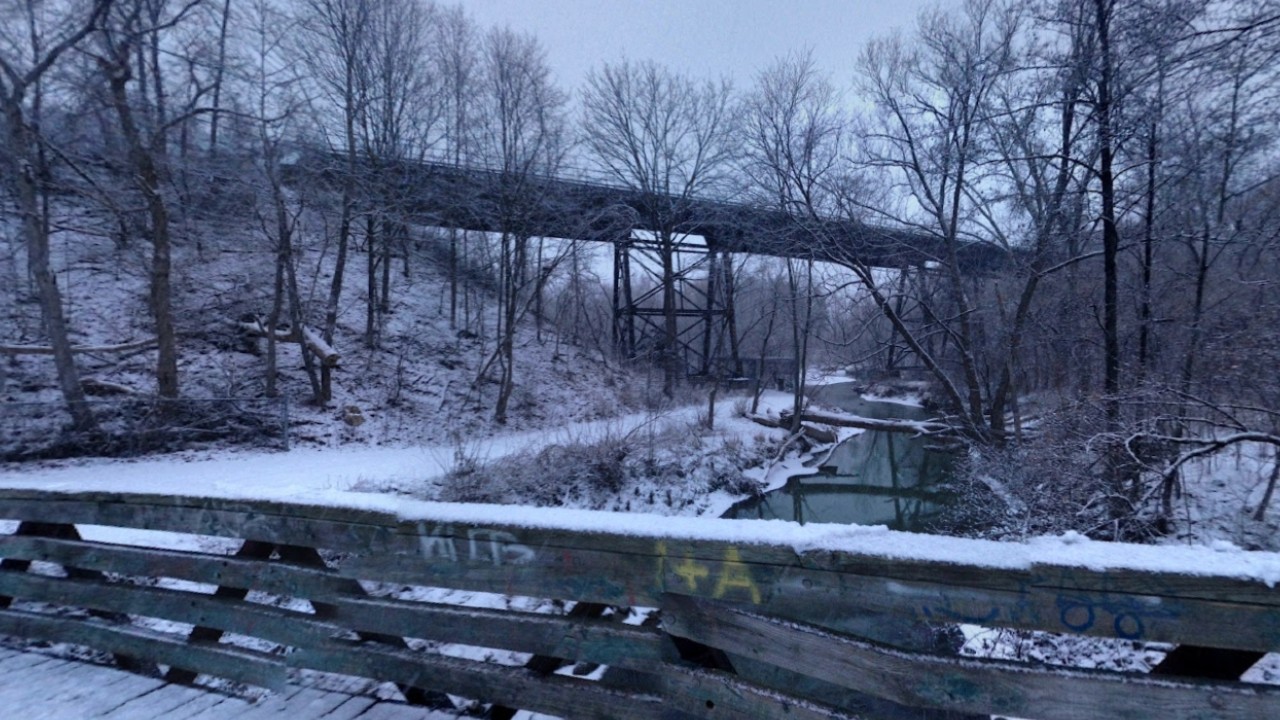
<point x="673" y="256"/>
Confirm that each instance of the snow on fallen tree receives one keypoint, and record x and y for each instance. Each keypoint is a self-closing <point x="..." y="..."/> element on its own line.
<point x="818" y="435"/>
<point x="146" y="344"/>
<point x="308" y="338"/>
<point x="918" y="427"/>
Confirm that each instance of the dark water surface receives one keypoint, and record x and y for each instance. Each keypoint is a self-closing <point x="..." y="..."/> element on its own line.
<point x="876" y="478"/>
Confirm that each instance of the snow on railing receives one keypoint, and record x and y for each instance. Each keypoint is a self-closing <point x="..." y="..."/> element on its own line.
<point x="591" y="614"/>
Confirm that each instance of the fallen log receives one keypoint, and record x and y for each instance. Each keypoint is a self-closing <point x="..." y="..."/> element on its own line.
<point x="256" y="328"/>
<point x="917" y="427"/>
<point x="94" y="386"/>
<point x="308" y="338"/>
<point x="42" y="350"/>
<point x="817" y="435"/>
<point x="323" y="350"/>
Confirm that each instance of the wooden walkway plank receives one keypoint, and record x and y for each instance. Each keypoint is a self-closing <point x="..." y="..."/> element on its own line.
<point x="98" y="699"/>
<point x="354" y="707"/>
<point x="76" y="691"/>
<point x="21" y="659"/>
<point x="155" y="704"/>
<point x="308" y="703"/>
<point x="400" y="711"/>
<point x="40" y="670"/>
<point x="276" y="705"/>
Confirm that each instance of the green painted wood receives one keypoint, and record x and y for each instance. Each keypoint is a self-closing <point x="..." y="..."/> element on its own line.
<point x="269" y="522"/>
<point x="277" y="577"/>
<point x="514" y="687"/>
<point x="862" y="705"/>
<point x="578" y="639"/>
<point x="226" y="661"/>
<point x="278" y="625"/>
<point x="202" y="633"/>
<point x="980" y="686"/>
<point x="371" y="531"/>
<point x="323" y="610"/>
<point x="885" y="599"/>
<point x="853" y="600"/>
<point x="696" y="692"/>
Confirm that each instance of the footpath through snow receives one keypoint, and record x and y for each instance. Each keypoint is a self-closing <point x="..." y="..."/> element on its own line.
<point x="308" y="471"/>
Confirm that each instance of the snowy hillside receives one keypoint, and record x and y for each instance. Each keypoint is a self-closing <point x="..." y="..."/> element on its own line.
<point x="418" y="385"/>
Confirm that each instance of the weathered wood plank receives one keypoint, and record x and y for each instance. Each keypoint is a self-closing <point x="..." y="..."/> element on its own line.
<point x="862" y="705"/>
<point x="629" y="570"/>
<point x="278" y="577"/>
<point x="310" y="556"/>
<point x="95" y="694"/>
<point x="275" y="705"/>
<point x="206" y="517"/>
<point x="552" y="539"/>
<point x="699" y="693"/>
<point x="279" y="625"/>
<point x="303" y="704"/>
<point x="36" y="673"/>
<point x="859" y="592"/>
<point x="513" y="687"/>
<point x="1073" y="601"/>
<point x="222" y="660"/>
<point x="602" y="642"/>
<point x="73" y="691"/>
<point x="19" y="659"/>
<point x="966" y="684"/>
<point x="163" y="701"/>
<point x="353" y="707"/>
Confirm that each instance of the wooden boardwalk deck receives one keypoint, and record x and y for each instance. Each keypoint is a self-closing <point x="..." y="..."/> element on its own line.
<point x="34" y="685"/>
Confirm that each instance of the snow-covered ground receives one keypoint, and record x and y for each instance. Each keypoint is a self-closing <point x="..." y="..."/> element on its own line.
<point x="350" y="470"/>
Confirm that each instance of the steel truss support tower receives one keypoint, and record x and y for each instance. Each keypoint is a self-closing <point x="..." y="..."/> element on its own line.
<point x="702" y="280"/>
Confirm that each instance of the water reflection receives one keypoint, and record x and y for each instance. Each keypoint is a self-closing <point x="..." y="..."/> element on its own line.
<point x="876" y="478"/>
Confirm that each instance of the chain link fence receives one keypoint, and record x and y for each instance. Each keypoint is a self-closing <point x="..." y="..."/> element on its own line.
<point x="142" y="424"/>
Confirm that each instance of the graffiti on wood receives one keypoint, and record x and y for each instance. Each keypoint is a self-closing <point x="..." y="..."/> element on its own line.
<point x="477" y="545"/>
<point x="728" y="579"/>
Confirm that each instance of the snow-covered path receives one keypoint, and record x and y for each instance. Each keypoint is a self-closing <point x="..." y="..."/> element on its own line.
<point x="312" y="470"/>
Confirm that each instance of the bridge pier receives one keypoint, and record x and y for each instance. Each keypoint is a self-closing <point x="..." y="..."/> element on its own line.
<point x="700" y="292"/>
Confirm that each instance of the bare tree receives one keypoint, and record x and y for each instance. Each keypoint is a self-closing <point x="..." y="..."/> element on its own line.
<point x="219" y="73"/>
<point x="397" y="125"/>
<point x="334" y="45"/>
<point x="524" y="136"/>
<point x="457" y="60"/>
<point x="671" y="139"/>
<point x="932" y="105"/>
<point x="274" y="85"/>
<point x="20" y="79"/>
<point x="794" y="131"/>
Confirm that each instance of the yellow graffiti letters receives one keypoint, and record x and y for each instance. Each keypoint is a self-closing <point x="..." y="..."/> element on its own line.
<point x="735" y="575"/>
<point x="730" y="577"/>
<point x="691" y="571"/>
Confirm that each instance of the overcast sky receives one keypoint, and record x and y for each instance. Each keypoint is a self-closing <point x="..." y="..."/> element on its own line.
<point x="706" y="38"/>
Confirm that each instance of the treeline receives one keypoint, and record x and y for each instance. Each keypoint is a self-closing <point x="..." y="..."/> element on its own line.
<point x="1120" y="153"/>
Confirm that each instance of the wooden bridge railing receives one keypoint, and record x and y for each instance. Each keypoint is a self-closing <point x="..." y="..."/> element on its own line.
<point x="753" y="619"/>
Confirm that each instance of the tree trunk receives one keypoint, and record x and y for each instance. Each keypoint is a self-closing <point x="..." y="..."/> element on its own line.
<point x="25" y="174"/>
<point x="731" y="317"/>
<point x="1116" y="467"/>
<point x="147" y="176"/>
<point x="671" y="330"/>
<point x="371" y="282"/>
<point x="1261" y="513"/>
<point x="219" y="71"/>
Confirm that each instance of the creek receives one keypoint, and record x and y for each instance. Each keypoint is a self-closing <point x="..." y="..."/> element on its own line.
<point x="874" y="478"/>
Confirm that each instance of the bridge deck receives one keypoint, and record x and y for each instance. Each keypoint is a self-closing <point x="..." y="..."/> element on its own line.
<point x="51" y="688"/>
